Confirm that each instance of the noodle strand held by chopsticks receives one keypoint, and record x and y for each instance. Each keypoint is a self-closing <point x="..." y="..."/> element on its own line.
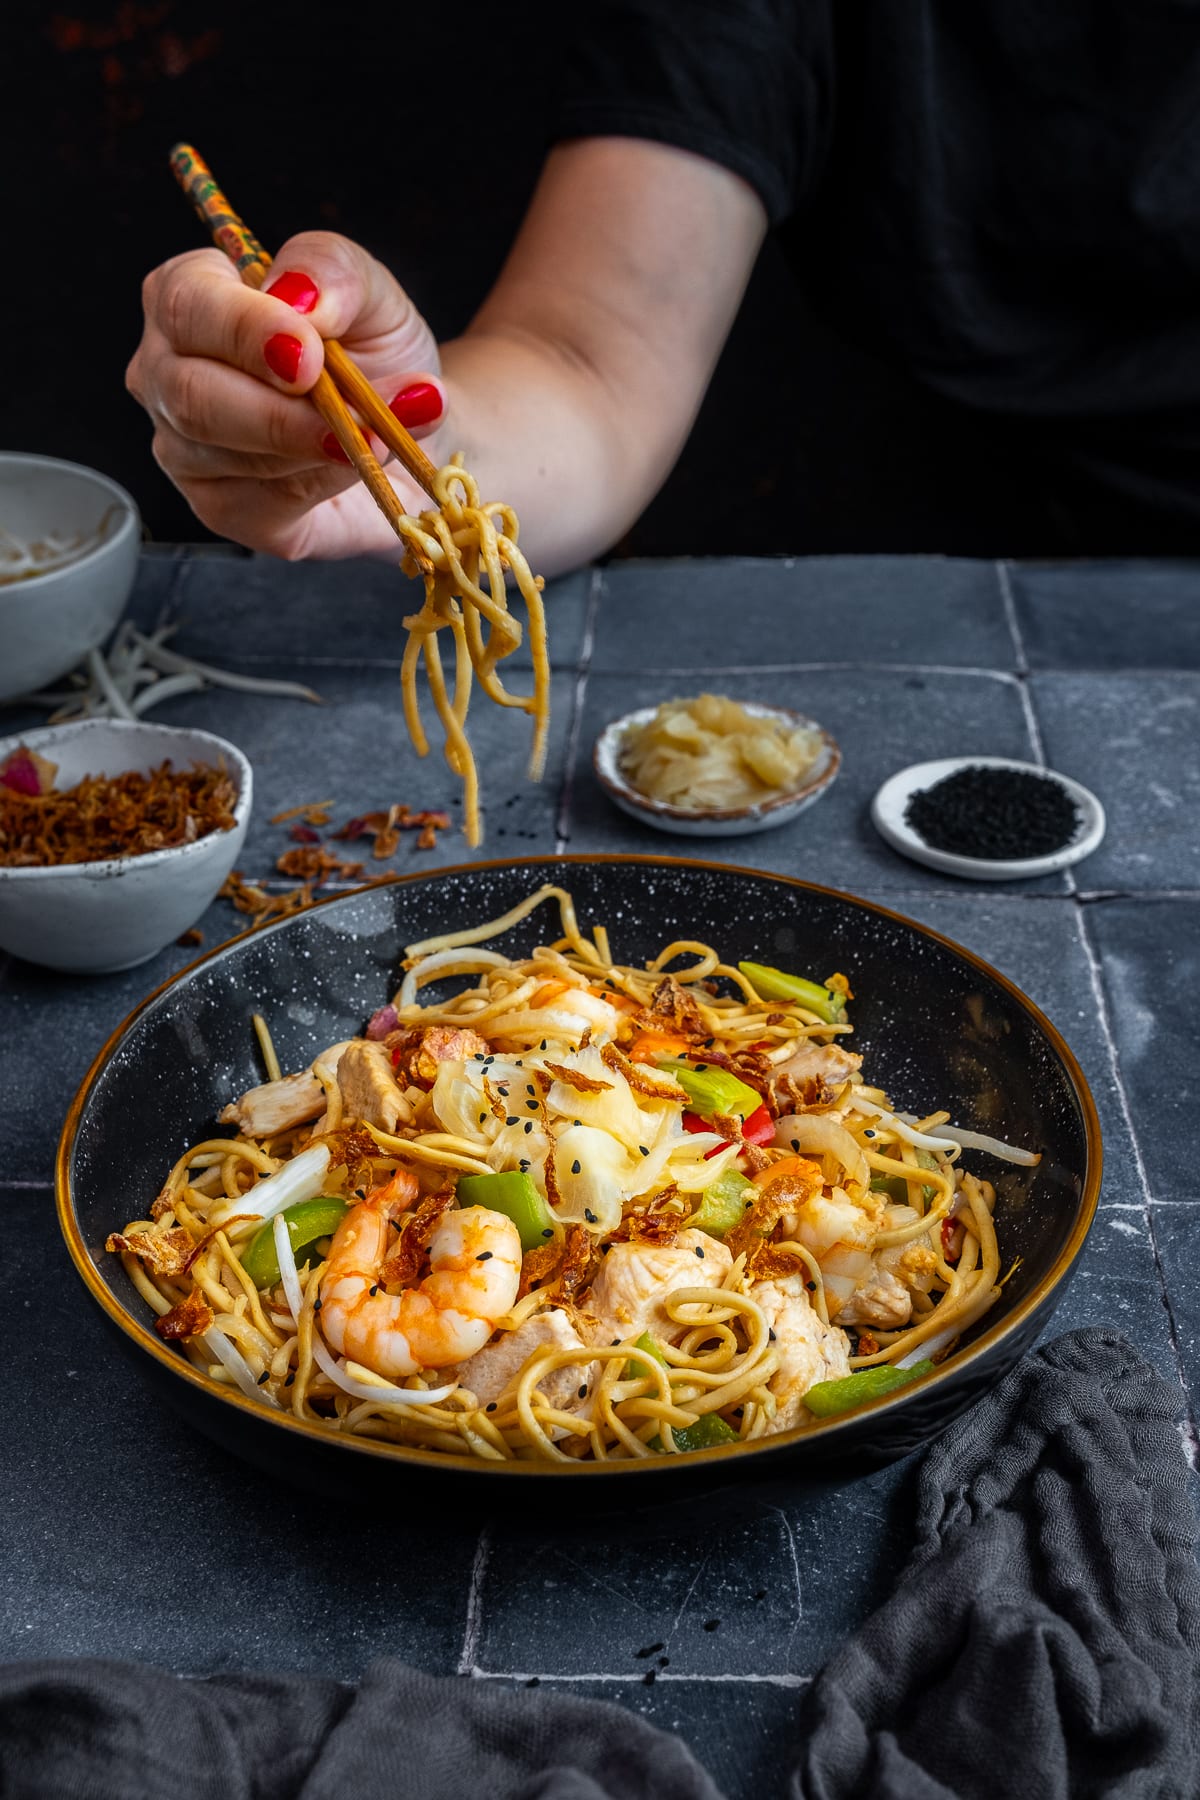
<point x="449" y="549"/>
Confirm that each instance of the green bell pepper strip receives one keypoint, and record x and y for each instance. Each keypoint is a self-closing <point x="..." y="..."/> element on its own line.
<point x="830" y="1397"/>
<point x="709" y="1430"/>
<point x="512" y="1193"/>
<point x="775" y="984"/>
<point x="711" y="1090"/>
<point x="722" y="1204"/>
<point x="306" y="1221"/>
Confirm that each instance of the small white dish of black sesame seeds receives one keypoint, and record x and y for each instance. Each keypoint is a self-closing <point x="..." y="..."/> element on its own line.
<point x="988" y="818"/>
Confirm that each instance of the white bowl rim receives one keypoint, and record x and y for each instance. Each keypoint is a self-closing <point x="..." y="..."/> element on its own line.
<point x="919" y="776"/>
<point x="132" y="521"/>
<point x="151" y="859"/>
<point x="605" y="762"/>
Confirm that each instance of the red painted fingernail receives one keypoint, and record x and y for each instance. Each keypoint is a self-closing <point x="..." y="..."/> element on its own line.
<point x="298" y="291"/>
<point x="333" y="450"/>
<point x="283" y="354"/>
<point x="419" y="404"/>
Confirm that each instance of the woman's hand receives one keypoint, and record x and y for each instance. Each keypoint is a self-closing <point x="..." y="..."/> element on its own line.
<point x="223" y="372"/>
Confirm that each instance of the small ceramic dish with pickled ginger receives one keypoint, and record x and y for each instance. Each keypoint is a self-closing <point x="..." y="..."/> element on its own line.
<point x="714" y="767"/>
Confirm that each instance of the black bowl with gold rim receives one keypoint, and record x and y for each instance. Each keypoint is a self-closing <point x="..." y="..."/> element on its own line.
<point x="938" y="1028"/>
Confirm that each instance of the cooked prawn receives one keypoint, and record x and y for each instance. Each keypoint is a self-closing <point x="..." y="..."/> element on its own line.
<point x="474" y="1272"/>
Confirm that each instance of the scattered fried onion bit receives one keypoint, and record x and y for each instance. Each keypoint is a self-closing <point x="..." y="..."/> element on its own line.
<point x="103" y="816"/>
<point x="163" y="1252"/>
<point x="576" y="1079"/>
<point x="190" y="1318"/>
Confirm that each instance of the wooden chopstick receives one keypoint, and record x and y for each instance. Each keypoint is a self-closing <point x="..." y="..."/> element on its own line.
<point x="339" y="377"/>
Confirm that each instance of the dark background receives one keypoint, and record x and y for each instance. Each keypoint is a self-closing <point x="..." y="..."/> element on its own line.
<point x="420" y="131"/>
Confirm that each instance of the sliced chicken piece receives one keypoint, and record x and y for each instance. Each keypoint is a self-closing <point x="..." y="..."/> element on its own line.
<point x="491" y="1369"/>
<point x="421" y="1050"/>
<point x="627" y="1295"/>
<point x="808" y="1351"/>
<point x="882" y="1301"/>
<point x="369" y="1089"/>
<point x="827" y="1063"/>
<point x="281" y="1105"/>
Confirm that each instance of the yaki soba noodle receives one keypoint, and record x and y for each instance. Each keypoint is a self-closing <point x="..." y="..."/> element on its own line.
<point x="561" y="1207"/>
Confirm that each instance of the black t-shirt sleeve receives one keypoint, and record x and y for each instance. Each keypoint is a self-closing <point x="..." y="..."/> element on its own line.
<point x="746" y="83"/>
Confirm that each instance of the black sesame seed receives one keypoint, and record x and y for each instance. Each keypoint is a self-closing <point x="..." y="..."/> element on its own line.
<point x="529" y="1088"/>
<point x="575" y="1167"/>
<point x="532" y="1105"/>
<point x="534" y="1681"/>
<point x="795" y="1143"/>
<point x="482" y="1117"/>
<point x="700" y="1068"/>
<point x="489" y="1059"/>
<point x="699" y="1251"/>
<point x="643" y="1150"/>
<point x="529" y="1124"/>
<point x="512" y="1119"/>
<point x="614" y="1344"/>
<point x="995" y="814"/>
<point x="664" y="1662"/>
<point x="523" y="1164"/>
<point x="604" y="1249"/>
<point x="712" y="1624"/>
<point x="650" y="1677"/>
<point x="549" y="1231"/>
<point x="771" y="1333"/>
<point x="869" y="1132"/>
<point x="291" y="1378"/>
<point x="579" y="1121"/>
<point x="478" y="1056"/>
<point x="811" y="1286"/>
<point x="542" y="1045"/>
<point x="265" y="1376"/>
<point x="484" y="1256"/>
<point x="373" y="1290"/>
<point x="583" y="1391"/>
<point x="316" y="1306"/>
<point x="589" y="1215"/>
<point x="651" y="1649"/>
<point x="490" y="1407"/>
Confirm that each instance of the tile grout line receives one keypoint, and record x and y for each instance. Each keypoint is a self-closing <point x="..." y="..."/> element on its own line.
<point x="1008" y="600"/>
<point x="848" y="665"/>
<point x="562" y="820"/>
<point x="473" y="1625"/>
<point x="660" y="1676"/>
<point x="27" y="1187"/>
<point x="1191" y="1437"/>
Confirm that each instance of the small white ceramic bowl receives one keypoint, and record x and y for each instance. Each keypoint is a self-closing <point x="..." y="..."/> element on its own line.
<point x="891" y="802"/>
<point x="97" y="917"/>
<point x="733" y="821"/>
<point x="49" y="622"/>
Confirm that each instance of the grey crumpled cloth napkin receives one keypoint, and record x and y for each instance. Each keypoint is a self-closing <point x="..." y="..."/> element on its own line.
<point x="1042" y="1642"/>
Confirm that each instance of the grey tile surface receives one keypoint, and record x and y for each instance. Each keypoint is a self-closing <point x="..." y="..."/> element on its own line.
<point x="883" y="719"/>
<point x="778" y="1575"/>
<point x="1108" y="615"/>
<point x="168" y="1514"/>
<point x="258" y="609"/>
<point x="755" y="612"/>
<point x="1135" y="741"/>
<point x="1150" y="957"/>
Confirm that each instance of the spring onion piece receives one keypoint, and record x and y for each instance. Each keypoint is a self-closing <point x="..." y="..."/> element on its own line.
<point x="830" y="1397"/>
<point x="978" y="1140"/>
<point x="709" y="1430"/>
<point x="300" y="1179"/>
<point x="304" y="1223"/>
<point x="896" y="1186"/>
<point x="723" y="1204"/>
<point x="634" y="1371"/>
<point x="228" y="1353"/>
<point x="512" y="1193"/>
<point x="774" y="984"/>
<point x="711" y="1090"/>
